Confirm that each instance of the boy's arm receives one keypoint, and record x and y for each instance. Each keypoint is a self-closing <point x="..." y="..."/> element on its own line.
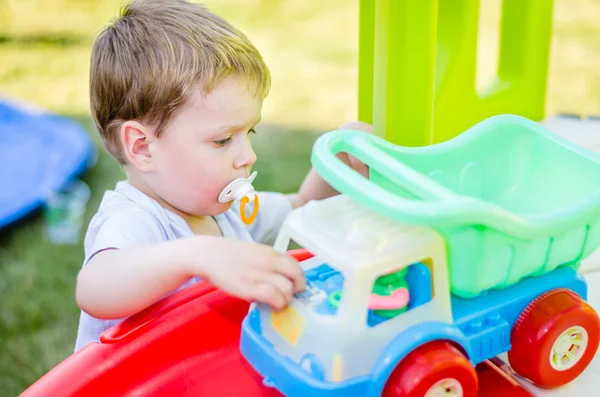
<point x="117" y="283"/>
<point x="315" y="188"/>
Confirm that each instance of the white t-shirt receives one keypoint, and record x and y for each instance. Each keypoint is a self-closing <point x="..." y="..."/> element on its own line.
<point x="127" y="217"/>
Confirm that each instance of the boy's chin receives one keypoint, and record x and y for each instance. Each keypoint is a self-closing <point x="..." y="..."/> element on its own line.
<point x="221" y="208"/>
<point x="214" y="210"/>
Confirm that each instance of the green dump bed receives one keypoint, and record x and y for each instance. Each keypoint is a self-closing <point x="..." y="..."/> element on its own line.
<point x="511" y="198"/>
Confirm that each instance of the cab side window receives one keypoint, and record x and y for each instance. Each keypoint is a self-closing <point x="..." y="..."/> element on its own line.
<point x="399" y="291"/>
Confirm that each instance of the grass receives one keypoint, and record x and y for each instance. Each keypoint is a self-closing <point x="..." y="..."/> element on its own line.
<point x="311" y="49"/>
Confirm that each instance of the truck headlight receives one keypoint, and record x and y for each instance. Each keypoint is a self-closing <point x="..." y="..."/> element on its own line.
<point x="254" y="319"/>
<point x="313" y="365"/>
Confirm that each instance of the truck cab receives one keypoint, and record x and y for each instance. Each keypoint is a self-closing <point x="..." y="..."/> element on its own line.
<point x="352" y="248"/>
<point x="325" y="328"/>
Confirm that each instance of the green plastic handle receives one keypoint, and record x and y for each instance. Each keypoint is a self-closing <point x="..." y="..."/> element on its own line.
<point x="368" y="148"/>
<point x="438" y="207"/>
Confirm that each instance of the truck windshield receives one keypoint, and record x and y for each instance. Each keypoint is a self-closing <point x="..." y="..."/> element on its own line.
<point x="324" y="289"/>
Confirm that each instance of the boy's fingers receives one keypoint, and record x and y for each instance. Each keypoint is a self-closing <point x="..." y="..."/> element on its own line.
<point x="291" y="269"/>
<point x="284" y="284"/>
<point x="269" y="294"/>
<point x="359" y="166"/>
<point x="352" y="161"/>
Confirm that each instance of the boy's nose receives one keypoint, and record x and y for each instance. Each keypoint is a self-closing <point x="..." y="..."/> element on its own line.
<point x="246" y="157"/>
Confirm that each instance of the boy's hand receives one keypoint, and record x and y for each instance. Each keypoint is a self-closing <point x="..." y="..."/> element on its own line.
<point x="250" y="271"/>
<point x="352" y="161"/>
<point x="315" y="188"/>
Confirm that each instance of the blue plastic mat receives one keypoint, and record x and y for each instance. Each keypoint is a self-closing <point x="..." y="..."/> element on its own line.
<point x="39" y="153"/>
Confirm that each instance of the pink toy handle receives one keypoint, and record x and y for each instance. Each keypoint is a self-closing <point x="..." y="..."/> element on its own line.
<point x="397" y="300"/>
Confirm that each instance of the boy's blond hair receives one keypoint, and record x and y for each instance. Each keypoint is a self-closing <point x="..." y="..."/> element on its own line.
<point x="145" y="64"/>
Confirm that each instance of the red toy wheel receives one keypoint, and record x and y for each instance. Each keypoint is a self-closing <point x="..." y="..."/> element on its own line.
<point x="432" y="370"/>
<point x="554" y="339"/>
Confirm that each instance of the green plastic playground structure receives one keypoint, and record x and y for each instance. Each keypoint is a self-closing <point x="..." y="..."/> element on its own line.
<point x="417" y="66"/>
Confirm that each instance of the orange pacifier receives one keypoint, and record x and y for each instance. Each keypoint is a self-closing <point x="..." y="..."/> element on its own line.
<point x="242" y="190"/>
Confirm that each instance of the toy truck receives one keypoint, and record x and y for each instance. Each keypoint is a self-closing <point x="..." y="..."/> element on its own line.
<point x="444" y="257"/>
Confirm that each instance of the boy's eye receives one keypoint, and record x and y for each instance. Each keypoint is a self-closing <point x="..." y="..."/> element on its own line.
<point x="223" y="142"/>
<point x="226" y="141"/>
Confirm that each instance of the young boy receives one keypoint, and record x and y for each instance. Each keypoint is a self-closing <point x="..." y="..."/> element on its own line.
<point x="175" y="93"/>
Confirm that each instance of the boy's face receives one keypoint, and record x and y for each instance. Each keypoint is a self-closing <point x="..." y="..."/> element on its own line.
<point x="204" y="147"/>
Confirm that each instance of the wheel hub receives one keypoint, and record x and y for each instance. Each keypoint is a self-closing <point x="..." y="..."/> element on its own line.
<point x="448" y="387"/>
<point x="568" y="348"/>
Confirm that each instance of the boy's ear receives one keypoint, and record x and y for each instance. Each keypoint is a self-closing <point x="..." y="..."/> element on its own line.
<point x="135" y="140"/>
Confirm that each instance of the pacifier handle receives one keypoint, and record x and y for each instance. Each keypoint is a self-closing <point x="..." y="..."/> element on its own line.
<point x="245" y="200"/>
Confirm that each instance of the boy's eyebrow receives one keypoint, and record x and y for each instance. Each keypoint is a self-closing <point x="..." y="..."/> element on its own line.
<point x="239" y="127"/>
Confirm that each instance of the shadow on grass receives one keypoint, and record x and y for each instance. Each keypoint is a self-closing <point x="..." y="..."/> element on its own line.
<point x="47" y="40"/>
